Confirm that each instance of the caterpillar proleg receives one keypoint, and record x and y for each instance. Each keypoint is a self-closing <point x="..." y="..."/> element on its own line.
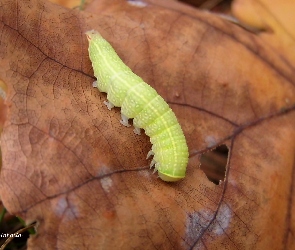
<point x="140" y="101"/>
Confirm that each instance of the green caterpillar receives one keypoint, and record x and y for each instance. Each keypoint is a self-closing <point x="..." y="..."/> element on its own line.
<point x="140" y="101"/>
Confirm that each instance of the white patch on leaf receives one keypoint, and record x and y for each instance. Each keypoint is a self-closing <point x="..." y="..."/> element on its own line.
<point x="210" y="141"/>
<point x="139" y="4"/>
<point x="106" y="184"/>
<point x="64" y="208"/>
<point x="60" y="206"/>
<point x="223" y="217"/>
<point x="202" y="220"/>
<point x="2" y="94"/>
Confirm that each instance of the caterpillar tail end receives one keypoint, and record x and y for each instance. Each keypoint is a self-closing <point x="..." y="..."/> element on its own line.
<point x="168" y="178"/>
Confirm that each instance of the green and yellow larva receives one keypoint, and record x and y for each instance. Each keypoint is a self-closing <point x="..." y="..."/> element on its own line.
<point x="140" y="101"/>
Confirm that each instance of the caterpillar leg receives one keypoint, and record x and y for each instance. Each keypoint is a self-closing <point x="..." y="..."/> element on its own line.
<point x="109" y="105"/>
<point x="150" y="153"/>
<point x="156" y="166"/>
<point x="124" y="120"/>
<point x="94" y="84"/>
<point x="136" y="130"/>
<point x="152" y="163"/>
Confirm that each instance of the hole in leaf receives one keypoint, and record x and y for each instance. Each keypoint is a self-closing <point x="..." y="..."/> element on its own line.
<point x="214" y="162"/>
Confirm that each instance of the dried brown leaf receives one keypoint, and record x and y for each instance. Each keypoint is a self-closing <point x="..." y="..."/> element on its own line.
<point x="70" y="165"/>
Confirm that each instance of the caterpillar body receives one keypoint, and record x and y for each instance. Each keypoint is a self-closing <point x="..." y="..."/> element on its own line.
<point x="140" y="101"/>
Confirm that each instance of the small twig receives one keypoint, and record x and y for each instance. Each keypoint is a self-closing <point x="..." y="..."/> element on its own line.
<point x="12" y="236"/>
